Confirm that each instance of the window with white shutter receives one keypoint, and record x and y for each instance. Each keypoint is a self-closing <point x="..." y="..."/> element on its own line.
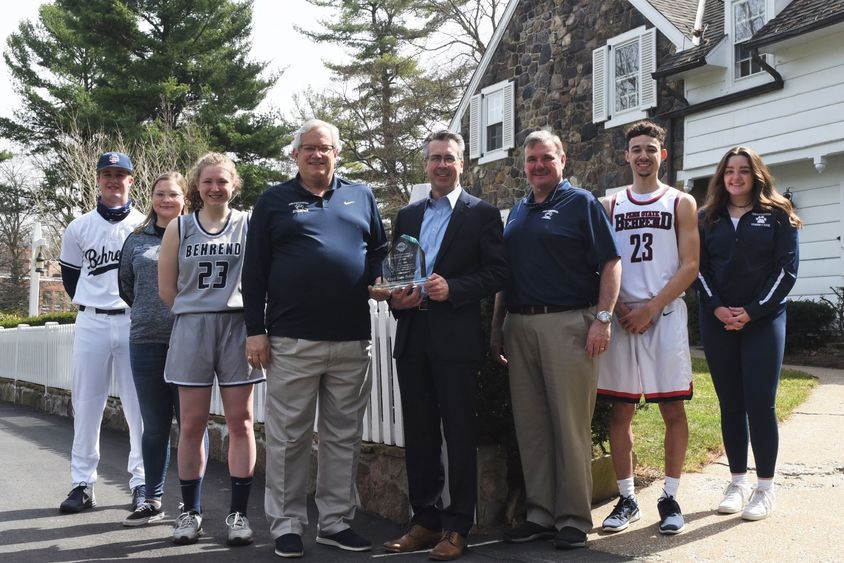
<point x="491" y="127"/>
<point x="623" y="88"/>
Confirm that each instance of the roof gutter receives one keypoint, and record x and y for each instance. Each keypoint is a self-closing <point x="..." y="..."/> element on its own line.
<point x="777" y="84"/>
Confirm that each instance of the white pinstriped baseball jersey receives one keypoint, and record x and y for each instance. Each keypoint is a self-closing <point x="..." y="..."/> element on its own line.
<point x="92" y="245"/>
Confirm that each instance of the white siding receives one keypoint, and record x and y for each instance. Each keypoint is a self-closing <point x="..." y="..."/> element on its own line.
<point x="805" y="117"/>
<point x="788" y="128"/>
<point x="819" y="199"/>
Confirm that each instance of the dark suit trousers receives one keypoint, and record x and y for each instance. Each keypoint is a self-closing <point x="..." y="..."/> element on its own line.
<point x="435" y="390"/>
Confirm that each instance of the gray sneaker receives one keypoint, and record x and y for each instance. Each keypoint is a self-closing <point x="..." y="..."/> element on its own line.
<point x="625" y="512"/>
<point x="188" y="528"/>
<point x="239" y="531"/>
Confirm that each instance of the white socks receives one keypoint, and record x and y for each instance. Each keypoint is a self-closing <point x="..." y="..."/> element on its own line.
<point x="740" y="479"/>
<point x="669" y="489"/>
<point x="625" y="487"/>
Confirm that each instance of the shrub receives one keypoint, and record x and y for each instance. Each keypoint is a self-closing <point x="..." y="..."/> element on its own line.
<point x="809" y="325"/>
<point x="11" y="321"/>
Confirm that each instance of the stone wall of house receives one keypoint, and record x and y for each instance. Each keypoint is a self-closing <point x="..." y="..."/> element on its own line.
<point x="547" y="51"/>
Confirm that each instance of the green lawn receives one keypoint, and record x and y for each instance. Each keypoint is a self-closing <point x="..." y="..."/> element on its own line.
<point x="705" y="419"/>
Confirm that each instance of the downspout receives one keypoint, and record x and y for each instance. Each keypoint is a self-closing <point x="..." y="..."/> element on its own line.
<point x="777" y="84"/>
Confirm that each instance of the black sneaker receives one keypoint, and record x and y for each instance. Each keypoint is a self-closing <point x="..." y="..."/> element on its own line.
<point x="625" y="512"/>
<point x="289" y="545"/>
<point x="528" y="531"/>
<point x="147" y="513"/>
<point x="670" y="516"/>
<point x="139" y="495"/>
<point x="346" y="539"/>
<point x="78" y="499"/>
<point x="569" y="538"/>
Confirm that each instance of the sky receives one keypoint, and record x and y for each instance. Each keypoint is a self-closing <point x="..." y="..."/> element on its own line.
<point x="273" y="40"/>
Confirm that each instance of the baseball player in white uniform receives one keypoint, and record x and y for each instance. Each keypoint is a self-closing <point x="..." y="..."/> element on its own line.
<point x="89" y="259"/>
<point x="655" y="229"/>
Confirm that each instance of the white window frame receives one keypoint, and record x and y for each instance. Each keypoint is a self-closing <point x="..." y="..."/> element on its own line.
<point x="734" y="42"/>
<point x="604" y="79"/>
<point x="478" y="122"/>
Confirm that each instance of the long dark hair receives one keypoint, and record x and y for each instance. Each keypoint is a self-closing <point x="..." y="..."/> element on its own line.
<point x="765" y="195"/>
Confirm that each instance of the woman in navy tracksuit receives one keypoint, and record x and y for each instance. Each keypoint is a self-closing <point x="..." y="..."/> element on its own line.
<point x="748" y="264"/>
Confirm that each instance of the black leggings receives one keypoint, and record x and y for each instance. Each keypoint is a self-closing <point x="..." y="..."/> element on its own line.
<point x="745" y="367"/>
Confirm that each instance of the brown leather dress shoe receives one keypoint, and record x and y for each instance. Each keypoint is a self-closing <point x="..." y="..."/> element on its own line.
<point x="418" y="537"/>
<point x="451" y="547"/>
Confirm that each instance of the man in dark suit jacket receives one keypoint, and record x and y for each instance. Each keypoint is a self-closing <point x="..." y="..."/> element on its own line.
<point x="439" y="347"/>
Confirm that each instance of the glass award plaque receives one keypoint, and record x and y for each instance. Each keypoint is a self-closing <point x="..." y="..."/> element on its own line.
<point x="400" y="266"/>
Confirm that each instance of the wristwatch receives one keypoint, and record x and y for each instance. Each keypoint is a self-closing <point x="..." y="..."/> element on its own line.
<point x="604" y="316"/>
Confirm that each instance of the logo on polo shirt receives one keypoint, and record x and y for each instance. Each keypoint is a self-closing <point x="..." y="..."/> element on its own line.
<point x="548" y="214"/>
<point x="299" y="206"/>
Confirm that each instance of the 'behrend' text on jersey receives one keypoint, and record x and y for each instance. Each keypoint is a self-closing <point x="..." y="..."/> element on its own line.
<point x="645" y="229"/>
<point x="210" y="265"/>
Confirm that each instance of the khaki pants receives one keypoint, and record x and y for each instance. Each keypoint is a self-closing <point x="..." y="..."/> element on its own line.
<point x="300" y="372"/>
<point x="553" y="386"/>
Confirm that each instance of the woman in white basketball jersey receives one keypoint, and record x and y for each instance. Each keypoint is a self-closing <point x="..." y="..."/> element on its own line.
<point x="199" y="277"/>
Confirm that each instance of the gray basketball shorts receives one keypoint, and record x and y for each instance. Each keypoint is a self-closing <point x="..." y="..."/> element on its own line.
<point x="203" y="345"/>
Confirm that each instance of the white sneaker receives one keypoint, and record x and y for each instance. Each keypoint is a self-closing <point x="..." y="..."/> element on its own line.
<point x="239" y="531"/>
<point x="761" y="505"/>
<point x="188" y="528"/>
<point x="736" y="496"/>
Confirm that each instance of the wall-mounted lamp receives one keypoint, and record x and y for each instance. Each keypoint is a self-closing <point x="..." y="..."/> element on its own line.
<point x="820" y="163"/>
<point x="688" y="185"/>
<point x="789" y="195"/>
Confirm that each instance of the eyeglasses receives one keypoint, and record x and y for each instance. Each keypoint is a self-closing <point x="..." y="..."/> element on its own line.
<point x="438" y="159"/>
<point x="321" y="149"/>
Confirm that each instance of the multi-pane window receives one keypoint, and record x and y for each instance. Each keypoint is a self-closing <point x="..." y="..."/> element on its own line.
<point x="623" y="87"/>
<point x="748" y="18"/>
<point x="491" y="125"/>
<point x="494" y="121"/>
<point x="626" y="76"/>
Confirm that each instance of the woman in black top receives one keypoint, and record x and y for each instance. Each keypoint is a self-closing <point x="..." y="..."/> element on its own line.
<point x="748" y="264"/>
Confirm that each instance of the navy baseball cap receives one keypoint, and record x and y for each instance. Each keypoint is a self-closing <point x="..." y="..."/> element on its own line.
<point x="114" y="160"/>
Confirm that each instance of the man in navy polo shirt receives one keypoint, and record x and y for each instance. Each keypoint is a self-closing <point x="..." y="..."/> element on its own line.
<point x="315" y="243"/>
<point x="553" y="321"/>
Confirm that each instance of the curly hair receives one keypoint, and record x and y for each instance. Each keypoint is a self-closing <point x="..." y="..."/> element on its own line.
<point x="192" y="198"/>
<point x="648" y="128"/>
<point x="764" y="196"/>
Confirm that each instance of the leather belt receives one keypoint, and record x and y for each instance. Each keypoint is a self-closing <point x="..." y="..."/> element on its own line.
<point x="543" y="309"/>
<point x="104" y="311"/>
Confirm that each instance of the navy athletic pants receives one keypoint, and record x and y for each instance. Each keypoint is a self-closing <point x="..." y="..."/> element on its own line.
<point x="745" y="367"/>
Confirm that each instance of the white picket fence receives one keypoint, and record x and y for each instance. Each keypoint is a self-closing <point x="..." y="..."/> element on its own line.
<point x="42" y="355"/>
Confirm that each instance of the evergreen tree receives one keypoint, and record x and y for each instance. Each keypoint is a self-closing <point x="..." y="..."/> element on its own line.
<point x="106" y="66"/>
<point x="387" y="101"/>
